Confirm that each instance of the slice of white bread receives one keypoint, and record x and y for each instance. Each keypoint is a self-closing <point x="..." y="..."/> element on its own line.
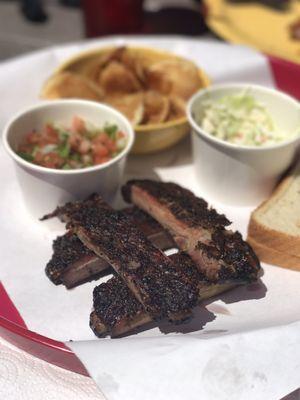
<point x="275" y="225"/>
<point x="274" y="257"/>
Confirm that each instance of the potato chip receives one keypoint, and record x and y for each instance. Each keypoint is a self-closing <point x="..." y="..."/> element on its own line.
<point x="174" y="77"/>
<point x="114" y="55"/>
<point x="134" y="62"/>
<point x="156" y="106"/>
<point x="116" y="78"/>
<point x="131" y="105"/>
<point x="92" y="68"/>
<point x="70" y="85"/>
<point x="177" y="108"/>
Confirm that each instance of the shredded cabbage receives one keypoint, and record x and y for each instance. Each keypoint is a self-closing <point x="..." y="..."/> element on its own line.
<point x="240" y="119"/>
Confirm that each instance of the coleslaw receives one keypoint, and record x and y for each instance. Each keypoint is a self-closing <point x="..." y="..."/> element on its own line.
<point x="240" y="119"/>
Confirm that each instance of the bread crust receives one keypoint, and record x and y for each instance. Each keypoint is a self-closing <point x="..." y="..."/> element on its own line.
<point x="271" y="256"/>
<point x="270" y="238"/>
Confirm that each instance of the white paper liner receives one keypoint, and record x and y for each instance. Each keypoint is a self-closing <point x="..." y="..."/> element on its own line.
<point x="231" y="356"/>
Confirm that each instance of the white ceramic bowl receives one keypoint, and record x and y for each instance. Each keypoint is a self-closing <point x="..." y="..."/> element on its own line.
<point x="45" y="188"/>
<point x="243" y="175"/>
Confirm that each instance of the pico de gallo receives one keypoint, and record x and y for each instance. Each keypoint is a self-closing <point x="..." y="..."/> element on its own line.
<point x="79" y="145"/>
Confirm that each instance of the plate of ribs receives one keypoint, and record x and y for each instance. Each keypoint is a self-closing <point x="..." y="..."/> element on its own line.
<point x="164" y="262"/>
<point x="163" y="255"/>
<point x="149" y="285"/>
<point x="153" y="261"/>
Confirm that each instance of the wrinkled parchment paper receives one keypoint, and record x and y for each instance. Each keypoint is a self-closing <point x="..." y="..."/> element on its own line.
<point x="243" y="345"/>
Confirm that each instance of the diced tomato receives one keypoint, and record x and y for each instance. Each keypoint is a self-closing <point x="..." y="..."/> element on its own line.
<point x="52" y="160"/>
<point x="78" y="124"/>
<point x="100" y="160"/>
<point x="121" y="135"/>
<point x="105" y="159"/>
<point x="97" y="160"/>
<point x="43" y="142"/>
<point x="33" y="137"/>
<point x="99" y="150"/>
<point x="51" y="135"/>
<point x="26" y="148"/>
<point x="38" y="157"/>
<point x="111" y="145"/>
<point x="102" y="137"/>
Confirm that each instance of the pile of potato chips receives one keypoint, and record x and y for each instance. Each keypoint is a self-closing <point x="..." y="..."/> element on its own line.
<point x="146" y="91"/>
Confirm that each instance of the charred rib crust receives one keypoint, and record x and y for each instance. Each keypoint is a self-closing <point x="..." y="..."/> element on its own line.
<point x="187" y="208"/>
<point x="114" y="304"/>
<point x="64" y="212"/>
<point x="234" y="254"/>
<point x="188" y="267"/>
<point x="159" y="286"/>
<point x="70" y="256"/>
<point x="222" y="254"/>
<point x="66" y="250"/>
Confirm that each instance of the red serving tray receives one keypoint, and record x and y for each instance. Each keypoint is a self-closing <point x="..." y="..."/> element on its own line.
<point x="12" y="327"/>
<point x="14" y="330"/>
<point x="286" y="75"/>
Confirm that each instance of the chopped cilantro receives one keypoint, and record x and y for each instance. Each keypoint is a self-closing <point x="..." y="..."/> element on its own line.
<point x="63" y="135"/>
<point x="63" y="150"/>
<point x="26" y="156"/>
<point x="66" y="166"/>
<point x="75" y="157"/>
<point x="111" y="130"/>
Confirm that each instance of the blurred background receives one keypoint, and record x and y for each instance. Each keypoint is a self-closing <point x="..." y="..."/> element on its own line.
<point x="27" y="25"/>
<point x="271" y="26"/>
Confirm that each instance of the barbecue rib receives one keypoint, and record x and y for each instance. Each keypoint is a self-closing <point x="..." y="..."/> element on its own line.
<point x="72" y="263"/>
<point x="220" y="254"/>
<point x="117" y="311"/>
<point x="158" y="236"/>
<point x="70" y="255"/>
<point x="155" y="281"/>
<point x="72" y="208"/>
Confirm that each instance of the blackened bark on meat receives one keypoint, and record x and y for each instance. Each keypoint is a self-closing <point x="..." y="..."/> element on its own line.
<point x="182" y="203"/>
<point x="197" y="229"/>
<point x="236" y="257"/>
<point x="128" y="322"/>
<point x="117" y="311"/>
<point x="151" y="276"/>
<point x="114" y="306"/>
<point x="72" y="208"/>
<point x="117" y="308"/>
<point x="67" y="249"/>
<point x="73" y="264"/>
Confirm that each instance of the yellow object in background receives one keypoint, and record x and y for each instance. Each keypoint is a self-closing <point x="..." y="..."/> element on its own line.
<point x="262" y="27"/>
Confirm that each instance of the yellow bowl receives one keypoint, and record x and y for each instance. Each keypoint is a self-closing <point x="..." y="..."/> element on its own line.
<point x="150" y="138"/>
